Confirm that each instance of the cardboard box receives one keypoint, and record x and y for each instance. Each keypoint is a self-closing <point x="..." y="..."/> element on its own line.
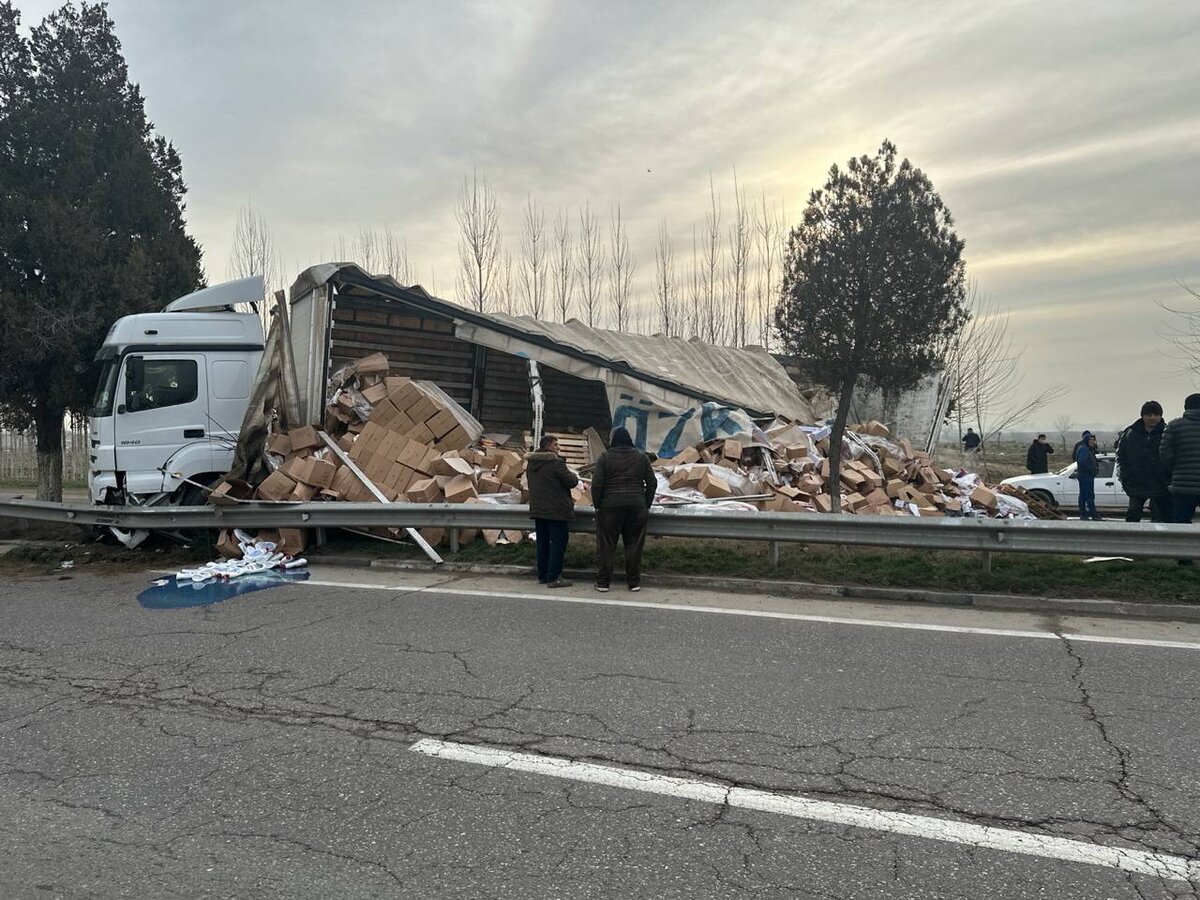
<point x="732" y="449"/>
<point x="279" y="444"/>
<point x="686" y="476"/>
<point x="879" y="497"/>
<point x="441" y="422"/>
<point x="302" y="493"/>
<point x="375" y="393"/>
<point x="434" y="536"/>
<point x="230" y="492"/>
<point x="395" y="382"/>
<point x="714" y="486"/>
<point x="376" y="363"/>
<point x="422" y="410"/>
<point x="894" y="487"/>
<point x="456" y="438"/>
<point x="276" y="486"/>
<point x="426" y="490"/>
<point x="318" y="473"/>
<point x="981" y="496"/>
<point x="227" y="545"/>
<point x="304" y="438"/>
<point x="490" y="484"/>
<point x="292" y="466"/>
<point x="421" y="434"/>
<point x="451" y="465"/>
<point x="459" y="489"/>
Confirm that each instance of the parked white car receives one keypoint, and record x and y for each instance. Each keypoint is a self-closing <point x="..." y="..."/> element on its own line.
<point x="1062" y="489"/>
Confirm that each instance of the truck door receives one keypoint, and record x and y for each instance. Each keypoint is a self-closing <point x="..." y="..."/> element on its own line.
<point x="163" y="409"/>
<point x="230" y="377"/>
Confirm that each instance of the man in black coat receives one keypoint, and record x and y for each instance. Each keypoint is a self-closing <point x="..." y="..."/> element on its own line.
<point x="1037" y="459"/>
<point x="552" y="508"/>
<point x="1180" y="454"/>
<point x="1139" y="468"/>
<point x="623" y="489"/>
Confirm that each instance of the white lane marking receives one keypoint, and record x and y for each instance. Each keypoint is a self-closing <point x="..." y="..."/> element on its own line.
<point x="983" y="836"/>
<point x="761" y="614"/>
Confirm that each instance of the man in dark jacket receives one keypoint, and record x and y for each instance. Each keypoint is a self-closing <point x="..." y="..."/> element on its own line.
<point x="1037" y="459"/>
<point x="1086" y="468"/>
<point x="970" y="441"/>
<point x="552" y="507"/>
<point x="1180" y="454"/>
<point x="1142" y="474"/>
<point x="623" y="488"/>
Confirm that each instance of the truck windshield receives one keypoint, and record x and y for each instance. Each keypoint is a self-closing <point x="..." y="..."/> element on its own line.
<point x="106" y="388"/>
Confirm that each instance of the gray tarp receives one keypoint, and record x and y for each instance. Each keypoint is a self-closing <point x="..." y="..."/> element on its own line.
<point x="667" y="370"/>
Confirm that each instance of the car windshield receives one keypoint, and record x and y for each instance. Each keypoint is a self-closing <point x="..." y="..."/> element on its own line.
<point x="106" y="388"/>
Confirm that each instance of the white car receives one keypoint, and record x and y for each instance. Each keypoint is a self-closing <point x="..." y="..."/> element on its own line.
<point x="1062" y="489"/>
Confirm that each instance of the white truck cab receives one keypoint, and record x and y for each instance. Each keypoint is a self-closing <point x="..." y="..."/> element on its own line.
<point x="174" y="387"/>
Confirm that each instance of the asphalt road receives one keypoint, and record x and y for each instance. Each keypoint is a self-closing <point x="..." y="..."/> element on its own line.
<point x="263" y="746"/>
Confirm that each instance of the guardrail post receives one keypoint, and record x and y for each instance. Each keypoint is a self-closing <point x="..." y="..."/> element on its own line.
<point x="453" y="540"/>
<point x="987" y="561"/>
<point x="773" y="554"/>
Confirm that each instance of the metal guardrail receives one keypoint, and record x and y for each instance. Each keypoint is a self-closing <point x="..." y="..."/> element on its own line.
<point x="1001" y="535"/>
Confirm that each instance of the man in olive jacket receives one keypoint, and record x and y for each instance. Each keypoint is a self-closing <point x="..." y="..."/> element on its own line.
<point x="623" y="488"/>
<point x="1180" y="453"/>
<point x="552" y="507"/>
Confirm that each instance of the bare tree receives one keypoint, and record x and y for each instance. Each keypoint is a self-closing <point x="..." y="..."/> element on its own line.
<point x="1064" y="425"/>
<point x="478" y="216"/>
<point x="378" y="252"/>
<point x="620" y="274"/>
<point x="713" y="313"/>
<point x="534" y="266"/>
<point x="987" y="368"/>
<point x="1183" y="334"/>
<point x="506" y="292"/>
<point x="562" y="265"/>
<point x="768" y="228"/>
<point x="253" y="249"/>
<point x="666" y="289"/>
<point x="739" y="266"/>
<point x="253" y="253"/>
<point x="591" y="266"/>
<point x="694" y="305"/>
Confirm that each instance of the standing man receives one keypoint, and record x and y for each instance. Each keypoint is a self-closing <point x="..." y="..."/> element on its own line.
<point x="970" y="441"/>
<point x="1037" y="459"/>
<point x="1180" y="454"/>
<point x="552" y="508"/>
<point x="623" y="488"/>
<point x="1086" y="468"/>
<point x="1142" y="473"/>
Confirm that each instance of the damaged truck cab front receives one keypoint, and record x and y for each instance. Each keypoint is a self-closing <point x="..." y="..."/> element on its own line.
<point x="173" y="390"/>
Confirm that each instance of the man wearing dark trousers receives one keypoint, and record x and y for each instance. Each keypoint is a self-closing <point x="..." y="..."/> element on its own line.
<point x="1180" y="454"/>
<point x="623" y="488"/>
<point x="1037" y="458"/>
<point x="552" y="508"/>
<point x="1086" y="469"/>
<point x="1142" y="474"/>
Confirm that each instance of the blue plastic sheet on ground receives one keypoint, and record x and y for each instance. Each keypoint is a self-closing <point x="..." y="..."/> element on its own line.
<point x="167" y="593"/>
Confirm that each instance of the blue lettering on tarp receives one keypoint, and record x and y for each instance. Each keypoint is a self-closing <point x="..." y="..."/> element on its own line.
<point x="670" y="444"/>
<point x="715" y="420"/>
<point x="624" y="413"/>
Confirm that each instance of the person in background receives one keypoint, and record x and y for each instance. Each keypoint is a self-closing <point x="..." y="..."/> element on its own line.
<point x="623" y="488"/>
<point x="971" y="441"/>
<point x="1086" y="467"/>
<point x="1179" y="452"/>
<point x="1037" y="459"/>
<point x="1142" y="473"/>
<point x="552" y="508"/>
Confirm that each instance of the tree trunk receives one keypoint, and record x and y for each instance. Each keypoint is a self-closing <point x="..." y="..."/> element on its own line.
<point x="49" y="453"/>
<point x="835" y="445"/>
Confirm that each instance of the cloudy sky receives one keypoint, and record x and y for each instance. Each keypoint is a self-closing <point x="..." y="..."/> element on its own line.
<point x="1063" y="136"/>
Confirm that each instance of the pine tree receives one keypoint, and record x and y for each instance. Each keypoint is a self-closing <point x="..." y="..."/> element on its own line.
<point x="91" y="217"/>
<point x="873" y="283"/>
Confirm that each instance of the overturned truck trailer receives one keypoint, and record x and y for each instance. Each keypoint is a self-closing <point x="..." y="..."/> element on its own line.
<point x="516" y="374"/>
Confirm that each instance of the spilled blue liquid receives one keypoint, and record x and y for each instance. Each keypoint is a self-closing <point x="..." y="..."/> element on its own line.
<point x="167" y="593"/>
